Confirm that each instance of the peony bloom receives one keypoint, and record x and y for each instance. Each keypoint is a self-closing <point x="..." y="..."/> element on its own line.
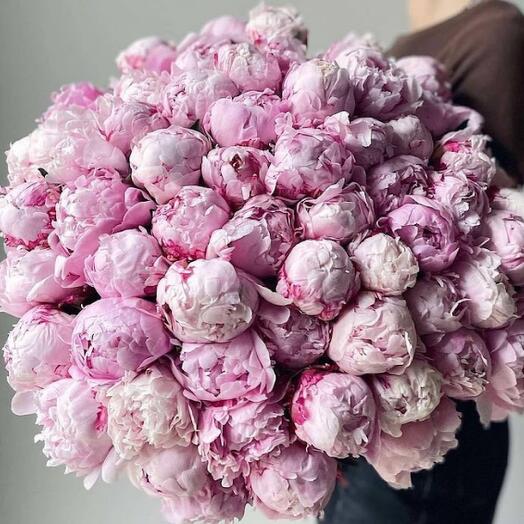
<point x="315" y="90"/>
<point x="409" y="136"/>
<point x="226" y="26"/>
<point x="509" y="199"/>
<point x="38" y="350"/>
<point x="184" y="225"/>
<point x="294" y="339"/>
<point x="247" y="120"/>
<point x="249" y="68"/>
<point x="73" y="428"/>
<point x="148" y="409"/>
<point x="258" y="237"/>
<point x="236" y="173"/>
<point x="429" y="73"/>
<point x="338" y="214"/>
<point x="123" y="124"/>
<point x="505" y="389"/>
<point x="489" y="296"/>
<point x="79" y="94"/>
<point x="382" y="90"/>
<point x="388" y="183"/>
<point x="235" y="434"/>
<point x="27" y="279"/>
<point x="167" y="159"/>
<point x="435" y="305"/>
<point x="505" y="231"/>
<point x="306" y="162"/>
<point x="26" y="214"/>
<point x="428" y="228"/>
<point x="318" y="277"/>
<point x="385" y="264"/>
<point x="421" y="445"/>
<point x="21" y="166"/>
<point x="463" y="360"/>
<point x="189" y="95"/>
<point x="197" y="52"/>
<point x="268" y="23"/>
<point x="334" y="412"/>
<point x="239" y="368"/>
<point x="126" y="264"/>
<point x="207" y="301"/>
<point x="339" y="50"/>
<point x="294" y="484"/>
<point x="142" y="87"/>
<point x="376" y="335"/>
<point x="465" y="198"/>
<point x="115" y="335"/>
<point x="147" y="54"/>
<point x="409" y="397"/>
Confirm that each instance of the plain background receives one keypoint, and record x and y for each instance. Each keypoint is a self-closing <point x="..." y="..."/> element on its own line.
<point x="46" y="43"/>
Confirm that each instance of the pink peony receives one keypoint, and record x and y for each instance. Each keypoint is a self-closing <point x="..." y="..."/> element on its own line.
<point x="236" y="173"/>
<point x="375" y="335"/>
<point x="126" y="264"/>
<point x="189" y="95"/>
<point x="463" y="360"/>
<point x="339" y="50"/>
<point x="226" y="26"/>
<point x="239" y="368"/>
<point x="167" y="159"/>
<point x="80" y="94"/>
<point x="258" y="237"/>
<point x="306" y="162"/>
<point x="141" y="87"/>
<point x="428" y="228"/>
<point x="147" y="54"/>
<point x="509" y="199"/>
<point x="429" y="73"/>
<point x="73" y="428"/>
<point x="184" y="225"/>
<point x="338" y="214"/>
<point x="26" y="213"/>
<point x="148" y="409"/>
<point x="334" y="412"/>
<point x="268" y="23"/>
<point x="115" y="335"/>
<point x="197" y="52"/>
<point x="207" y="301"/>
<point x="409" y="136"/>
<point x="318" y="277"/>
<point x="385" y="264"/>
<point x="295" y="484"/>
<point x="21" y="166"/>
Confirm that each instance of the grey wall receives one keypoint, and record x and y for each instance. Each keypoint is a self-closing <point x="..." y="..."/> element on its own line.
<point x="46" y="43"/>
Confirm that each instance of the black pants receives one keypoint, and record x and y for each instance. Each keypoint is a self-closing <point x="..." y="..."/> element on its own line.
<point x="463" y="489"/>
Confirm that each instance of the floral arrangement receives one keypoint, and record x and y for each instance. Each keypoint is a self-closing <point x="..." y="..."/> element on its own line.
<point x="238" y="265"/>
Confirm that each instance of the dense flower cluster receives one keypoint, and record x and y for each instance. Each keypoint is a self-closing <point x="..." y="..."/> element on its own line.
<point x="239" y="265"/>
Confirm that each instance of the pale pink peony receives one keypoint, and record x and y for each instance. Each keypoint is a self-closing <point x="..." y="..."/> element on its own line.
<point x="338" y="214"/>
<point x="318" y="277"/>
<point x="375" y="335"/>
<point x="385" y="264"/>
<point x="235" y="434"/>
<point x="26" y="213"/>
<point x="115" y="335"/>
<point x="148" y="409"/>
<point x="409" y="136"/>
<point x="409" y="397"/>
<point x="294" y="484"/>
<point x="147" y="54"/>
<point x="509" y="199"/>
<point x="421" y="445"/>
<point x="352" y="41"/>
<point x="21" y="166"/>
<point x="390" y="182"/>
<point x="315" y="90"/>
<point x="73" y="428"/>
<point x="428" y="228"/>
<point x="197" y="52"/>
<point x="249" y="68"/>
<point x="258" y="237"/>
<point x="334" y="412"/>
<point x="189" y="95"/>
<point x="463" y="360"/>
<point x="236" y="173"/>
<point x="294" y="339"/>
<point x="126" y="264"/>
<point x="168" y="159"/>
<point x="226" y="26"/>
<point x="207" y="301"/>
<point x="184" y="225"/>
<point x="142" y="87"/>
<point x="239" y="368"/>
<point x="81" y="94"/>
<point x="429" y="73"/>
<point x="268" y="23"/>
<point x="247" y="120"/>
<point x="435" y="305"/>
<point x="306" y="162"/>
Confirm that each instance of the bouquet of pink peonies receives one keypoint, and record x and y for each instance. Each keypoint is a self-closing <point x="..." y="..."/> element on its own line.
<point x="238" y="265"/>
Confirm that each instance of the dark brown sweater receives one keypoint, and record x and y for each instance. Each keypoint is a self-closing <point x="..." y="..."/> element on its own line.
<point x="483" y="49"/>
